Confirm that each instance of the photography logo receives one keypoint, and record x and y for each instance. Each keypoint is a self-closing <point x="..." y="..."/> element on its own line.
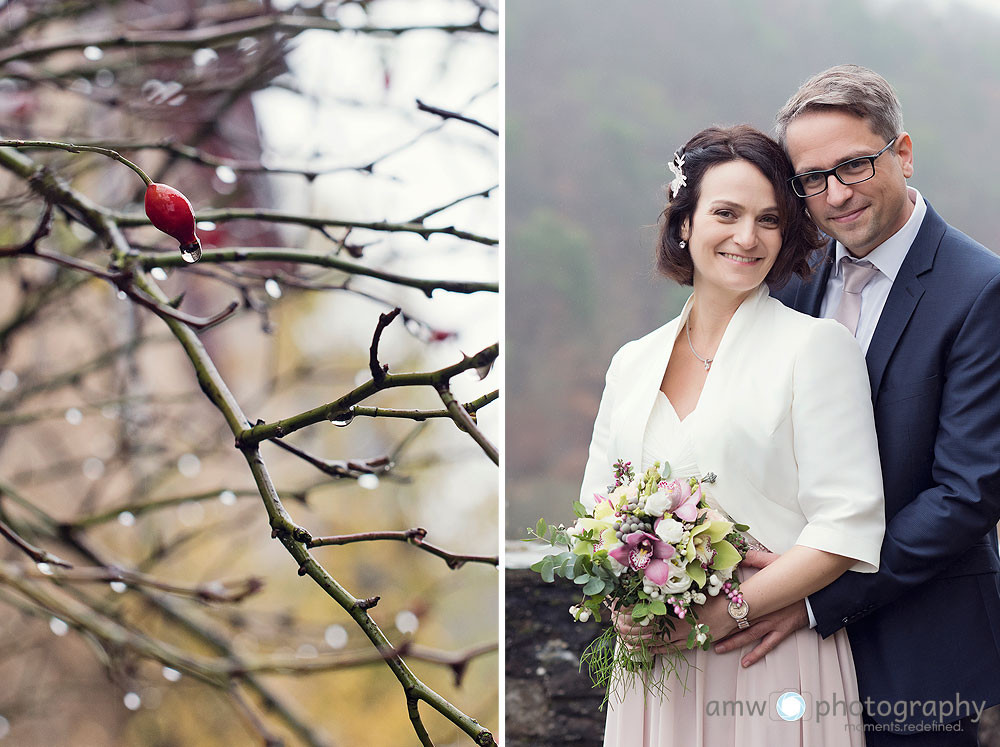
<point x="790" y="706"/>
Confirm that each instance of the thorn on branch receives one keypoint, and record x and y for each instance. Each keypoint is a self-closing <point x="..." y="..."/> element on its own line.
<point x="367" y="604"/>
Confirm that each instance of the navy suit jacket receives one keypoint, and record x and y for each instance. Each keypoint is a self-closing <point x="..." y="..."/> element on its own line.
<point x="926" y="627"/>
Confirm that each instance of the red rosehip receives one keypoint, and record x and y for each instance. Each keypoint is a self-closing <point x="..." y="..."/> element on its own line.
<point x="171" y="212"/>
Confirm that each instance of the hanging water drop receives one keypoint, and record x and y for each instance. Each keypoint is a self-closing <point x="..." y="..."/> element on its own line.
<point x="132" y="701"/>
<point x="93" y="53"/>
<point x="58" y="627"/>
<point x="191" y="253"/>
<point x="368" y="482"/>
<point x="170" y="674"/>
<point x="118" y="587"/>
<point x="158" y="273"/>
<point x="342" y="418"/>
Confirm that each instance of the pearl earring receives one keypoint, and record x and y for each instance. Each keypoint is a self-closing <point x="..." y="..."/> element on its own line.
<point x="683" y="244"/>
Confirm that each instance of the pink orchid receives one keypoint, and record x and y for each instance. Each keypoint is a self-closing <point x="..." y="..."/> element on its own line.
<point x="648" y="552"/>
<point x="683" y="502"/>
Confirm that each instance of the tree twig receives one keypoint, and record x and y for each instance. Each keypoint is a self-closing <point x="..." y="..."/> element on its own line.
<point x="414" y="537"/>
<point x="445" y="114"/>
<point x="384" y="320"/>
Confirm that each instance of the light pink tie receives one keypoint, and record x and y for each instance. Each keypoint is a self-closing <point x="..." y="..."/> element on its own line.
<point x="856" y="276"/>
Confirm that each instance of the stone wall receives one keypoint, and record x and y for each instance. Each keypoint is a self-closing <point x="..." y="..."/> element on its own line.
<point x="550" y="703"/>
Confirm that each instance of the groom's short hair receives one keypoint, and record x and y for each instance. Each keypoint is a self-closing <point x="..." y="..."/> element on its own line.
<point x="851" y="88"/>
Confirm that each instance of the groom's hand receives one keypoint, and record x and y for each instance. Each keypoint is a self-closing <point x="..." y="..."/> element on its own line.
<point x="769" y="630"/>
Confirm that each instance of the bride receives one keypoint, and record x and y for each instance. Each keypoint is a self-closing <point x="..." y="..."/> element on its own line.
<point x="777" y="405"/>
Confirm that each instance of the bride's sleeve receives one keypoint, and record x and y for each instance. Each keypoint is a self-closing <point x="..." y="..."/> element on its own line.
<point x="597" y="474"/>
<point x="840" y="476"/>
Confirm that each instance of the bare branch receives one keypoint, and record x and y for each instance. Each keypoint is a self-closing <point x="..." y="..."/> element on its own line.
<point x="215" y="591"/>
<point x="414" y="537"/>
<point x="223" y="215"/>
<point x="352" y="468"/>
<point x="445" y="114"/>
<point x="210" y="35"/>
<point x="35" y="553"/>
<point x="342" y="407"/>
<point x="384" y="320"/>
<point x="466" y="423"/>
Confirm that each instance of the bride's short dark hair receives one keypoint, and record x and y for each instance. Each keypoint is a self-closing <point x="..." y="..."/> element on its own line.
<point x="800" y="239"/>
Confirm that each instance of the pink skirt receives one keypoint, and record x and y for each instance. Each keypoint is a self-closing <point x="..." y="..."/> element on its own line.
<point x="725" y="704"/>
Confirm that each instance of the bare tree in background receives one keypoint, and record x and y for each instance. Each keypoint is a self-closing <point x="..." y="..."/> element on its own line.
<point x="247" y="499"/>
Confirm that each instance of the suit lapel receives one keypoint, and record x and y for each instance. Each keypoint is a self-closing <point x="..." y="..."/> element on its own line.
<point x="903" y="297"/>
<point x="809" y="297"/>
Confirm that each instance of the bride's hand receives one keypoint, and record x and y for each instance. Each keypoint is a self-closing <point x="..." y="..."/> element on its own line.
<point x="655" y="640"/>
<point x="630" y="632"/>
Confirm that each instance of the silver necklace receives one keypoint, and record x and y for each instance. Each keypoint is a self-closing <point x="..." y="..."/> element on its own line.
<point x="706" y="361"/>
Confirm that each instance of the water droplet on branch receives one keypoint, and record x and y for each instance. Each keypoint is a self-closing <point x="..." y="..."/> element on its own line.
<point x="58" y="627"/>
<point x="93" y="53"/>
<point x="368" y="482"/>
<point x="342" y="418"/>
<point x="158" y="273"/>
<point x="132" y="701"/>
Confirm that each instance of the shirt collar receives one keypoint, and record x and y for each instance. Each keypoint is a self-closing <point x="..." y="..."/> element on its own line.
<point x="889" y="255"/>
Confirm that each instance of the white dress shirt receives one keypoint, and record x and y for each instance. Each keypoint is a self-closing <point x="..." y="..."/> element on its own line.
<point x="887" y="257"/>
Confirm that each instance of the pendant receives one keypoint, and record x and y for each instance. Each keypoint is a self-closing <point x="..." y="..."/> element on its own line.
<point x="708" y="363"/>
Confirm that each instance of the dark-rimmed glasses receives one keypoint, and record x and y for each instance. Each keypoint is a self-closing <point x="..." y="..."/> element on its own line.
<point x="855" y="171"/>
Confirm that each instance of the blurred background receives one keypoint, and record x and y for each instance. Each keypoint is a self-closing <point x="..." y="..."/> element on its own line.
<point x="111" y="456"/>
<point x="598" y="99"/>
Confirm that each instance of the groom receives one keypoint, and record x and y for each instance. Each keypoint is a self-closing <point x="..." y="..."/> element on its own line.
<point x="923" y="300"/>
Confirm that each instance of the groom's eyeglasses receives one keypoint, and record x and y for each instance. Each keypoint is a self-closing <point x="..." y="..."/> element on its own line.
<point x="855" y="171"/>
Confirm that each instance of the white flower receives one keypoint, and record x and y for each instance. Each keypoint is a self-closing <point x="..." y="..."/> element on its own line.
<point x="698" y="598"/>
<point x="669" y="530"/>
<point x="677" y="167"/>
<point x="657" y="503"/>
<point x="584" y="616"/>
<point x="679" y="579"/>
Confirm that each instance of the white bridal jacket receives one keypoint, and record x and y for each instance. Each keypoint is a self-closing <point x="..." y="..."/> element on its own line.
<point x="784" y="421"/>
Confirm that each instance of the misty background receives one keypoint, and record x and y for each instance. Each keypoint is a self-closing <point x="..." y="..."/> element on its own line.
<point x="598" y="98"/>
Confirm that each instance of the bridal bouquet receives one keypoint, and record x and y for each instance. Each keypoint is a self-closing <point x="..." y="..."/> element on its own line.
<point x="653" y="546"/>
